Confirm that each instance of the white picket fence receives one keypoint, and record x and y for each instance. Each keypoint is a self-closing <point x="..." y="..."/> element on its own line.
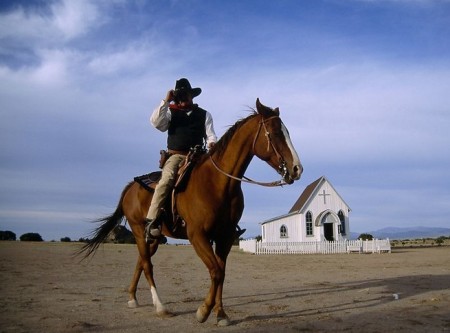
<point x="324" y="247"/>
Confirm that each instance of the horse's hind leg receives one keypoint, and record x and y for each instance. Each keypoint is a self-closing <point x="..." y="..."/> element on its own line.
<point x="135" y="206"/>
<point x="145" y="252"/>
<point x="132" y="302"/>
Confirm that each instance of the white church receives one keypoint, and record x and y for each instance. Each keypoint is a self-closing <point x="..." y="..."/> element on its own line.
<point x="317" y="223"/>
<point x="320" y="214"/>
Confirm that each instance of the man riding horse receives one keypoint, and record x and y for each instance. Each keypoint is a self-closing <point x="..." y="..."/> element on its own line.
<point x="211" y="203"/>
<point x="188" y="126"/>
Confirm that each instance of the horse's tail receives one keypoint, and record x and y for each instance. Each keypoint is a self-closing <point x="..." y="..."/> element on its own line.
<point x="108" y="223"/>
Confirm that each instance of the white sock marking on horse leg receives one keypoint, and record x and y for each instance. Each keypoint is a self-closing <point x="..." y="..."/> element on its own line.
<point x="156" y="301"/>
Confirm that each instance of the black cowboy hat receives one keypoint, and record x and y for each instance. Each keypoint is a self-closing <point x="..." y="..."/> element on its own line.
<point x="184" y="85"/>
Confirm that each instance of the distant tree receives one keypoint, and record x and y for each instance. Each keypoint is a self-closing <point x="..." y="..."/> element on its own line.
<point x="440" y="240"/>
<point x="66" y="239"/>
<point x="258" y="238"/>
<point x="31" y="237"/>
<point x="365" y="237"/>
<point x="7" y="236"/>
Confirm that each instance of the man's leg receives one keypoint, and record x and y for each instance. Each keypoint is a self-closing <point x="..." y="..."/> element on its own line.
<point x="162" y="191"/>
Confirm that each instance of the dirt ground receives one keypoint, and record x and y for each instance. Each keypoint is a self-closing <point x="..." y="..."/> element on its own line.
<point x="44" y="289"/>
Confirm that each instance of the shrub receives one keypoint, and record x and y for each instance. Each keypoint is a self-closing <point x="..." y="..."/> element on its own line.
<point x="31" y="237"/>
<point x="440" y="241"/>
<point x="7" y="235"/>
<point x="365" y="237"/>
<point x="66" y="239"/>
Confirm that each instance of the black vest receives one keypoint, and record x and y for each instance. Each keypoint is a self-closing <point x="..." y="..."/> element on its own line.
<point x="186" y="131"/>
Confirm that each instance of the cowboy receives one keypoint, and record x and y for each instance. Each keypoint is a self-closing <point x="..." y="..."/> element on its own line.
<point x="188" y="125"/>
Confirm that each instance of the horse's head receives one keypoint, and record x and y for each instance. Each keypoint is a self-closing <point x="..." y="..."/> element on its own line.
<point x="273" y="144"/>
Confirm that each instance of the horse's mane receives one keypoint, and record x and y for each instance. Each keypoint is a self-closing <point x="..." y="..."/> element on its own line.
<point x="223" y="142"/>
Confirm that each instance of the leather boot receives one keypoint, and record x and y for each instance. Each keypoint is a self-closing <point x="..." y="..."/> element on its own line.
<point x="152" y="229"/>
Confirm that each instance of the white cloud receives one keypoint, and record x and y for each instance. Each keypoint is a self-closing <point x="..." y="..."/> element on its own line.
<point x="17" y="24"/>
<point x="67" y="20"/>
<point x="74" y="18"/>
<point x="53" y="69"/>
<point x="129" y="59"/>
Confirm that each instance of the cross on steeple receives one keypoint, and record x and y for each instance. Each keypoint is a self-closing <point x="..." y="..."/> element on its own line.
<point x="324" y="196"/>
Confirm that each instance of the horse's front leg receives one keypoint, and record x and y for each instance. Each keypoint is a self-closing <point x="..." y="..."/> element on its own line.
<point x="222" y="318"/>
<point x="216" y="267"/>
<point x="222" y="251"/>
<point x="205" y="251"/>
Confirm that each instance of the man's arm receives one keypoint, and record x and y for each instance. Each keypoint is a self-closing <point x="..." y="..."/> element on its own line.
<point x="211" y="136"/>
<point x="161" y="116"/>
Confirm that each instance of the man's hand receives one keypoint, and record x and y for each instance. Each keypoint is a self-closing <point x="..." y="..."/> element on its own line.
<point x="170" y="96"/>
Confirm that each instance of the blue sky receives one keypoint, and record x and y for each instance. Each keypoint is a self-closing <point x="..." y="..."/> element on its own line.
<point x="363" y="87"/>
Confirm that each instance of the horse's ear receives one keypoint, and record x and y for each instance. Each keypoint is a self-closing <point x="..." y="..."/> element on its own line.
<point x="264" y="110"/>
<point x="258" y="105"/>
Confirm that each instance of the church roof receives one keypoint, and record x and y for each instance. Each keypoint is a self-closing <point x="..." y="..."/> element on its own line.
<point x="309" y="190"/>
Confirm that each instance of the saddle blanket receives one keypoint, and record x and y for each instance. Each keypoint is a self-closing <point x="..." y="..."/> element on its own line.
<point x="149" y="180"/>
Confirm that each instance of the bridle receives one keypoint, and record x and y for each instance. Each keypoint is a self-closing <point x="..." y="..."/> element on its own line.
<point x="282" y="169"/>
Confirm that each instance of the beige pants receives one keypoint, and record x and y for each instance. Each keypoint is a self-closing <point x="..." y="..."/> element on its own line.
<point x="164" y="188"/>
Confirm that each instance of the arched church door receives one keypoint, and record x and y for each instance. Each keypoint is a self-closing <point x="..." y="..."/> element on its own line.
<point x="328" y="231"/>
<point x="328" y="221"/>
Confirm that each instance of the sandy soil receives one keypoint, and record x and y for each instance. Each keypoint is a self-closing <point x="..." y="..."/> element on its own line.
<point x="44" y="289"/>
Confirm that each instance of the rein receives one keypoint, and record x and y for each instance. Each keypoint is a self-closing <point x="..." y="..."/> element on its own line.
<point x="246" y="179"/>
<point x="269" y="143"/>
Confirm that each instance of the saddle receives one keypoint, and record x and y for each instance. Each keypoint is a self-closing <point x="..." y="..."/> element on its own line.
<point x="150" y="180"/>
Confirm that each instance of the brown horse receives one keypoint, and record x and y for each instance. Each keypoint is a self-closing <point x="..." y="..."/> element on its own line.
<point x="211" y="204"/>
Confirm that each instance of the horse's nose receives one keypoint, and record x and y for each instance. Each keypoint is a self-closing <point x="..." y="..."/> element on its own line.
<point x="298" y="170"/>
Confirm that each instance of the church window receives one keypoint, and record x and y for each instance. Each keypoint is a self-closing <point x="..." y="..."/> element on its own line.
<point x="342" y="220"/>
<point x="309" y="224"/>
<point x="283" y="232"/>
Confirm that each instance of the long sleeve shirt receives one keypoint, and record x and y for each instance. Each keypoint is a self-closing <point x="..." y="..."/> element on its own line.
<point x="161" y="117"/>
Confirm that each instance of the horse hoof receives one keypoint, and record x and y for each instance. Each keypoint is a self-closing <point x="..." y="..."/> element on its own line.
<point x="202" y="314"/>
<point x="221" y="322"/>
<point x="133" y="304"/>
<point x="165" y="314"/>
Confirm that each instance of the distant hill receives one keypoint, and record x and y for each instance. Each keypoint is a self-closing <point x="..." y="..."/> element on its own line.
<point x="407" y="233"/>
<point x="121" y="234"/>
